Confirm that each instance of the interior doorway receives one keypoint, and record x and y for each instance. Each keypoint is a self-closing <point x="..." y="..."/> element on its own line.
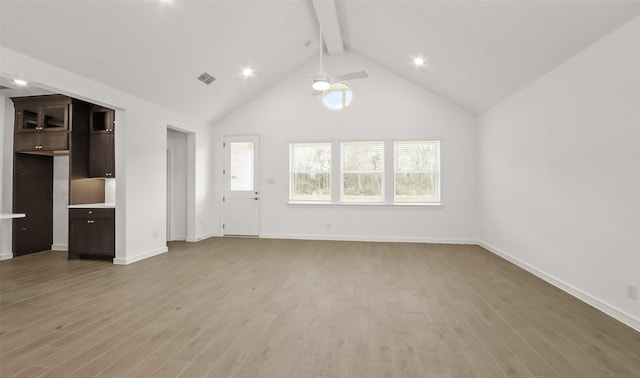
<point x="177" y="185"/>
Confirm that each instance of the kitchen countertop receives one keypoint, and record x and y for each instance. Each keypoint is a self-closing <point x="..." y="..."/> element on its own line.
<point x="93" y="206"/>
<point x="11" y="216"/>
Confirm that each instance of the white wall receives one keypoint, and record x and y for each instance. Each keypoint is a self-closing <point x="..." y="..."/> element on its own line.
<point x="559" y="175"/>
<point x="177" y="222"/>
<point x="384" y="107"/>
<point x="141" y="141"/>
<point x="60" y="203"/>
<point x="6" y="180"/>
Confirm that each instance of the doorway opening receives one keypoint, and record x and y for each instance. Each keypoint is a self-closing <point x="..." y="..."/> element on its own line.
<point x="177" y="185"/>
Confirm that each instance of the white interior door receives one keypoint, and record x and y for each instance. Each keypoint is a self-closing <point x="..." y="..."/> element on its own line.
<point x="241" y="201"/>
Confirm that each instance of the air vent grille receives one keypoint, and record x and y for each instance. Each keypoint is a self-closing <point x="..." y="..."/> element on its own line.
<point x="206" y="78"/>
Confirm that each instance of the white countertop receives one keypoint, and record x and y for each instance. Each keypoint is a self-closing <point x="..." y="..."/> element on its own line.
<point x="11" y="216"/>
<point x="93" y="206"/>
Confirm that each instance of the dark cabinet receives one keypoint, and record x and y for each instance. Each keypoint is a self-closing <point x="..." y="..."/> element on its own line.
<point x="101" y="156"/>
<point x="102" y="143"/>
<point x="102" y="120"/>
<point x="51" y="125"/>
<point x="43" y="123"/>
<point x="42" y="114"/>
<point x="41" y="141"/>
<point x="92" y="232"/>
<point x="33" y="196"/>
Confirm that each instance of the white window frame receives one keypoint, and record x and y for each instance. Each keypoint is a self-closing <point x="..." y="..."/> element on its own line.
<point x="292" y="172"/>
<point x="383" y="172"/>
<point x="388" y="175"/>
<point x="437" y="171"/>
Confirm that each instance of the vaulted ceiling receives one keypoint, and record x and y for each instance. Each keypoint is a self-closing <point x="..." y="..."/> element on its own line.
<point x="477" y="52"/>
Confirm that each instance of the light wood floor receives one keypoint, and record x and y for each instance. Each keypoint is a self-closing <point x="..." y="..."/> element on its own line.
<point x="274" y="308"/>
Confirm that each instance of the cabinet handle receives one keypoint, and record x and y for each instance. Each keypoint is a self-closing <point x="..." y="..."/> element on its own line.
<point x="90" y="212"/>
<point x="89" y="221"/>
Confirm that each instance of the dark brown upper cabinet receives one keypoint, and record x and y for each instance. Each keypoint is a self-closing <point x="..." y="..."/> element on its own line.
<point x="102" y="120"/>
<point x="46" y="142"/>
<point x="48" y="125"/>
<point x="42" y="113"/>
<point x="101" y="156"/>
<point x="102" y="143"/>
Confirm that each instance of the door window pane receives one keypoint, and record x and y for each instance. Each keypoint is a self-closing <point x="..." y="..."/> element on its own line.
<point x="241" y="167"/>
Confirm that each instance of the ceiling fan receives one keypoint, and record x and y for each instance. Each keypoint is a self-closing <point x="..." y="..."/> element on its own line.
<point x="322" y="81"/>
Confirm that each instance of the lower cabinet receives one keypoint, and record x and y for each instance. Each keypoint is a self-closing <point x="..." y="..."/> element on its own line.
<point x="91" y="233"/>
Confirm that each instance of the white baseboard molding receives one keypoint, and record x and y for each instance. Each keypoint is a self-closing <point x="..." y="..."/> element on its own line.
<point x="59" y="247"/>
<point x="388" y="239"/>
<point x="599" y="304"/>
<point x="131" y="259"/>
<point x="202" y="237"/>
<point x="6" y="255"/>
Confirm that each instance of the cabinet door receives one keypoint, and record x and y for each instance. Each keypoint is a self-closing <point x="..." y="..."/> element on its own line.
<point x="92" y="234"/>
<point x="54" y="141"/>
<point x="39" y="141"/>
<point x="101" y="120"/>
<point x="33" y="196"/>
<point x="54" y="118"/>
<point x="23" y="142"/>
<point x="27" y="119"/>
<point x="101" y="155"/>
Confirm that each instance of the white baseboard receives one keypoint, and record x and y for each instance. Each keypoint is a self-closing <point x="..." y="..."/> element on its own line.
<point x="131" y="259"/>
<point x="6" y="255"/>
<point x="370" y="239"/>
<point x="59" y="247"/>
<point x="202" y="237"/>
<point x="601" y="305"/>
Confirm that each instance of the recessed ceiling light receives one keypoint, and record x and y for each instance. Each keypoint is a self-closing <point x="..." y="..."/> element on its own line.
<point x="20" y="82"/>
<point x="247" y="72"/>
<point x="418" y="61"/>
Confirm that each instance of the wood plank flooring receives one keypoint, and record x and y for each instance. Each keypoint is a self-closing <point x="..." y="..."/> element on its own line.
<point x="231" y="307"/>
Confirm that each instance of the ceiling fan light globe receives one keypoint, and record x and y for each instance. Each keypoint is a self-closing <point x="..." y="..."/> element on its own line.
<point x="321" y="84"/>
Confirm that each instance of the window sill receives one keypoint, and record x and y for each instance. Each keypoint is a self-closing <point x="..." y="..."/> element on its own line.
<point x="345" y="204"/>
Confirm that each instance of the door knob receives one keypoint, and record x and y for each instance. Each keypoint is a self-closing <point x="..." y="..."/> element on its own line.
<point x="255" y="198"/>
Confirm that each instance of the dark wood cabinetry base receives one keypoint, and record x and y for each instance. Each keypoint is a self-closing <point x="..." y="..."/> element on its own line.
<point x="91" y="233"/>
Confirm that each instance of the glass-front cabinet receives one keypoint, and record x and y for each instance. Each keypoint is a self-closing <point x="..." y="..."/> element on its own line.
<point x="27" y="119"/>
<point x="54" y="118"/>
<point x="43" y="114"/>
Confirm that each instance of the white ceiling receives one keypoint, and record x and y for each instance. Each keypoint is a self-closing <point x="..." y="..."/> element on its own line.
<point x="478" y="52"/>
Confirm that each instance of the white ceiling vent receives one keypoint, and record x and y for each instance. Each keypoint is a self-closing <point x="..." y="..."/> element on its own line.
<point x="206" y="78"/>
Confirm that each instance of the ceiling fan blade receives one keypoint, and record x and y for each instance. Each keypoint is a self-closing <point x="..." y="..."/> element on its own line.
<point x="351" y="76"/>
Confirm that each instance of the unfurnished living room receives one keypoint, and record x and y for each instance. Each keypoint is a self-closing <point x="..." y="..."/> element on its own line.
<point x="319" y="188"/>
